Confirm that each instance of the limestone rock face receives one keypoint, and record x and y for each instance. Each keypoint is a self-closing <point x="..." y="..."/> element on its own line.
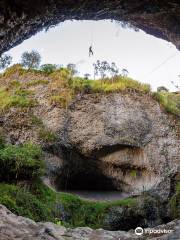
<point x="20" y="19"/>
<point x="14" y="227"/>
<point x="128" y="138"/>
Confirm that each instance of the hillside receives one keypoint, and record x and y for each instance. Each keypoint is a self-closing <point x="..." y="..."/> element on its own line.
<point x="74" y="133"/>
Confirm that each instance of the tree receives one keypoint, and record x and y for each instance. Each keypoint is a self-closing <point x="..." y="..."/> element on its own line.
<point x="113" y="69"/>
<point x="125" y="72"/>
<point x="86" y="76"/>
<point x="101" y="68"/>
<point x="5" y="61"/>
<point x="31" y="60"/>
<point x="72" y="68"/>
<point x="162" y="89"/>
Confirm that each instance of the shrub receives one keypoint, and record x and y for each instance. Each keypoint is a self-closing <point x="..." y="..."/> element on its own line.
<point x="162" y="89"/>
<point x="47" y="135"/>
<point x="48" y="68"/>
<point x="37" y="82"/>
<point x="20" y="101"/>
<point x="20" y="162"/>
<point x="19" y="98"/>
<point x="14" y="84"/>
<point x="170" y="101"/>
<point x="14" y="69"/>
<point x="23" y="203"/>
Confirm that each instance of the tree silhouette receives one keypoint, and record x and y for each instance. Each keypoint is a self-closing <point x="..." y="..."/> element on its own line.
<point x="125" y="72"/>
<point x="5" y="61"/>
<point x="31" y="60"/>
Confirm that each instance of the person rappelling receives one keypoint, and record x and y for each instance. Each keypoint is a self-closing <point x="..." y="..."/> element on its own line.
<point x="91" y="53"/>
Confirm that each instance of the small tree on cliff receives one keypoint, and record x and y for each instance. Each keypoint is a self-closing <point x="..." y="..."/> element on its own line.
<point x="113" y="69"/>
<point x="5" y="61"/>
<point x="162" y="89"/>
<point x="31" y="60"/>
<point x="101" y="68"/>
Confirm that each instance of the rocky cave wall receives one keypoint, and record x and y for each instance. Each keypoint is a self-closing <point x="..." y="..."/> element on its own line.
<point x="115" y="142"/>
<point x="20" y="19"/>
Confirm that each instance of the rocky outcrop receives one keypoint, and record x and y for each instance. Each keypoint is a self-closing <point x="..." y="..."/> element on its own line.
<point x="14" y="227"/>
<point x="122" y="141"/>
<point x="19" y="19"/>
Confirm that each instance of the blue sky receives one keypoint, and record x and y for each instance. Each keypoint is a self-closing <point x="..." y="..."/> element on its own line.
<point x="140" y="53"/>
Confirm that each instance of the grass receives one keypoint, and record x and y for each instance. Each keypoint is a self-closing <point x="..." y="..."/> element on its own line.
<point x="37" y="82"/>
<point x="16" y="68"/>
<point x="16" y="98"/>
<point x="43" y="204"/>
<point x="170" y="102"/>
<point x="109" y="85"/>
<point x="19" y="162"/>
<point x="23" y="203"/>
<point x="47" y="135"/>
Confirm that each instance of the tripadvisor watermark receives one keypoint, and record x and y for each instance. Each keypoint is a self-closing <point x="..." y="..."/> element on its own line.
<point x="140" y="231"/>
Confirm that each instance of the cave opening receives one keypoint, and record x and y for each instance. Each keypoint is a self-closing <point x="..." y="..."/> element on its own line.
<point x="84" y="174"/>
<point x="86" y="181"/>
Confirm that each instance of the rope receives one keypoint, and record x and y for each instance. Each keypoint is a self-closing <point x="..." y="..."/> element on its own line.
<point x="161" y="64"/>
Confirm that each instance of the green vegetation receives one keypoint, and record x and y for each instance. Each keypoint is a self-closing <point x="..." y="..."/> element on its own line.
<point x="48" y="68"/>
<point x="5" y="61"/>
<point x="174" y="203"/>
<point x="31" y="60"/>
<point x="37" y="82"/>
<point x="47" y="135"/>
<point x="170" y="101"/>
<point x="43" y="204"/>
<point x="23" y="203"/>
<point x="20" y="162"/>
<point x="118" y="84"/>
<point x="16" y="68"/>
<point x="17" y="99"/>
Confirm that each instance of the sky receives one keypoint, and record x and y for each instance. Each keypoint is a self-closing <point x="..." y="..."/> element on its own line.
<point x="147" y="59"/>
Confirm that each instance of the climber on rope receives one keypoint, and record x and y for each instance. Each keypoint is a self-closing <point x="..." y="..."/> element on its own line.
<point x="90" y="51"/>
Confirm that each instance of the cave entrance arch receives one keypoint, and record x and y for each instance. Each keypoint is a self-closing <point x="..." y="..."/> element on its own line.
<point x="20" y="19"/>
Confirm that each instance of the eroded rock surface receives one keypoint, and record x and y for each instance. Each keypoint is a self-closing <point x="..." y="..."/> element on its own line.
<point x="125" y="138"/>
<point x="14" y="227"/>
<point x="20" y="19"/>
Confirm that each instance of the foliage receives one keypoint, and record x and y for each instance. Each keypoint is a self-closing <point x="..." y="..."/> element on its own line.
<point x="170" y="101"/>
<point x="2" y="138"/>
<point x="5" y="61"/>
<point x="23" y="203"/>
<point x="36" y="121"/>
<point x="16" y="68"/>
<point x="15" y="97"/>
<point x="43" y="204"/>
<point x="48" y="68"/>
<point x="174" y="203"/>
<point x="72" y="68"/>
<point x="101" y="68"/>
<point x="162" y="89"/>
<point x="37" y="82"/>
<point x="20" y="162"/>
<point x="86" y="76"/>
<point x="47" y="135"/>
<point x="113" y="69"/>
<point x="118" y="84"/>
<point x="125" y="72"/>
<point x="31" y="60"/>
